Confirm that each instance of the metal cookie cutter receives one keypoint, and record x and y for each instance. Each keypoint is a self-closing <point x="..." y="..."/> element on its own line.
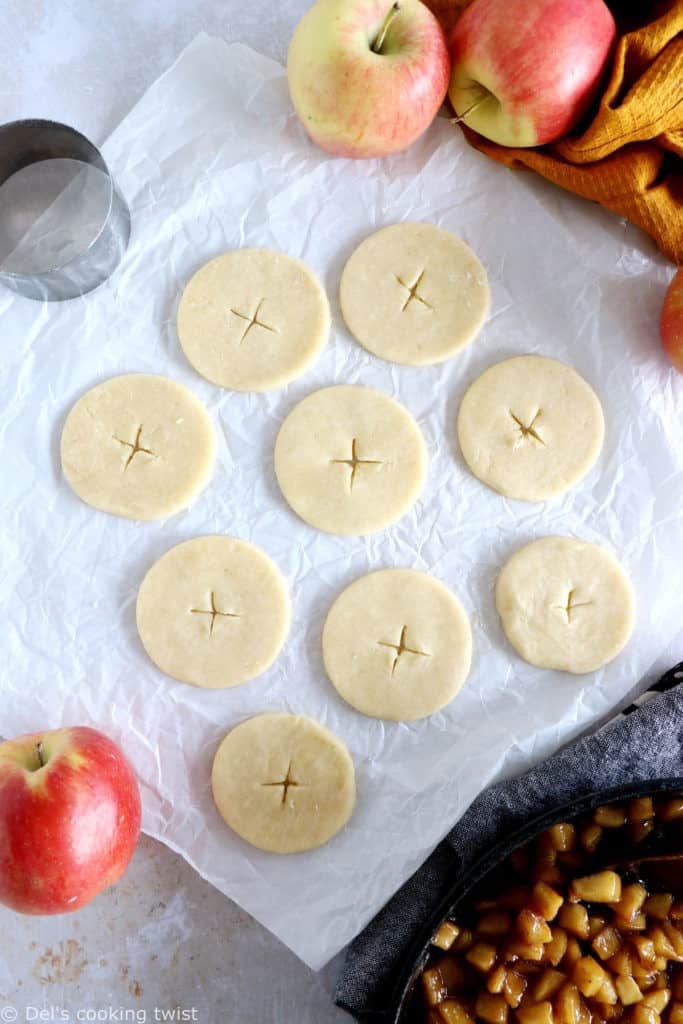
<point x="77" y="238"/>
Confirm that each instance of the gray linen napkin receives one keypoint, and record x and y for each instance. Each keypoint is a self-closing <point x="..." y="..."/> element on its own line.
<point x="644" y="742"/>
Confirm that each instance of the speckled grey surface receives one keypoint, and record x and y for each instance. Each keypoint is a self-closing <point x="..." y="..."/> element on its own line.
<point x="163" y="937"/>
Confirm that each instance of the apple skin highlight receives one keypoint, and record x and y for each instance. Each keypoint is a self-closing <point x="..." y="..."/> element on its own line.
<point x="527" y="73"/>
<point x="354" y="102"/>
<point x="68" y="829"/>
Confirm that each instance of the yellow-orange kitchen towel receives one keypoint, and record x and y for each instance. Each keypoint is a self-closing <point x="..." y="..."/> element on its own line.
<point x="629" y="158"/>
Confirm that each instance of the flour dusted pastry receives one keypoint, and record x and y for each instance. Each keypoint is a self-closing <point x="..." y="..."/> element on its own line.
<point x="283" y="783"/>
<point x="530" y="427"/>
<point x="397" y="644"/>
<point x="565" y="604"/>
<point x="138" y="446"/>
<point x="350" y="460"/>
<point x="253" y="319"/>
<point x="213" y="611"/>
<point x="414" y="293"/>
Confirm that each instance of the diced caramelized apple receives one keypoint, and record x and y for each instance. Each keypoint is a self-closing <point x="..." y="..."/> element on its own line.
<point x="644" y="1015"/>
<point x="562" y="836"/>
<point x="607" y="942"/>
<point x="532" y="928"/>
<point x="433" y="988"/>
<point x="632" y="899"/>
<point x="663" y="947"/>
<point x="672" y="810"/>
<point x="627" y="990"/>
<point x="452" y="973"/>
<point x="538" y="1013"/>
<point x="491" y="1008"/>
<point x="494" y="923"/>
<point x="595" y="925"/>
<point x="514" y="989"/>
<point x="607" y="993"/>
<point x="482" y="956"/>
<point x="573" y="953"/>
<point x="546" y="901"/>
<point x="645" y="950"/>
<point x="464" y="940"/>
<point x="496" y="979"/>
<point x="639" y="830"/>
<point x="518" y="950"/>
<point x="573" y="917"/>
<point x="641" y="808"/>
<point x="549" y="982"/>
<point x="454" y="1012"/>
<point x="589" y="976"/>
<point x="557" y="947"/>
<point x="621" y="963"/>
<point x="590" y="837"/>
<point x="568" y="1005"/>
<point x="603" y="887"/>
<point x="610" y="816"/>
<point x="676" y="1013"/>
<point x="658" y="1000"/>
<point x="551" y="874"/>
<point x="658" y="905"/>
<point x="433" y="1016"/>
<point x="675" y="937"/>
<point x="446" y="935"/>
<point x="515" y="898"/>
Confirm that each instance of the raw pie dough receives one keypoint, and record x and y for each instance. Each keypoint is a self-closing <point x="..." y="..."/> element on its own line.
<point x="283" y="783"/>
<point x="253" y="319"/>
<point x="565" y="604"/>
<point x="138" y="446"/>
<point x="397" y="644"/>
<point x="350" y="460"/>
<point x="530" y="427"/>
<point x="414" y="293"/>
<point x="213" y="611"/>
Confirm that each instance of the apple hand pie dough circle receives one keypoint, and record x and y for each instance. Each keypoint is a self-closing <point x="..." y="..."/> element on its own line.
<point x="414" y="294"/>
<point x="138" y="446"/>
<point x="350" y="460"/>
<point x="530" y="427"/>
<point x="213" y="611"/>
<point x="253" y="319"/>
<point x="565" y="604"/>
<point x="397" y="644"/>
<point x="283" y="783"/>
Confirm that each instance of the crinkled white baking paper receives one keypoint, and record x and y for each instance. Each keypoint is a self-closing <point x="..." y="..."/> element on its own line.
<point x="212" y="158"/>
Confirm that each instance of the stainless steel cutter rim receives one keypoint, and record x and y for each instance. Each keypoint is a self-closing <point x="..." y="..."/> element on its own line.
<point x="57" y="282"/>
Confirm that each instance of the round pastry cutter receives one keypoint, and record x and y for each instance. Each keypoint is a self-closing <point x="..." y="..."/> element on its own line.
<point x="64" y="225"/>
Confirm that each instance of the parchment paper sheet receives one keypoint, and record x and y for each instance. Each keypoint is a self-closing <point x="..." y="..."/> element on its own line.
<point x="211" y="158"/>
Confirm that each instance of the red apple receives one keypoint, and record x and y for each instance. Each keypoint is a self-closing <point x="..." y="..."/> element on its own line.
<point x="524" y="73"/>
<point x="671" y="323"/>
<point x="69" y="819"/>
<point x="367" y="76"/>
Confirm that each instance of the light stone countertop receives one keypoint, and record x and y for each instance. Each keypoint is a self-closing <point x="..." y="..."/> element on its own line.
<point x="162" y="938"/>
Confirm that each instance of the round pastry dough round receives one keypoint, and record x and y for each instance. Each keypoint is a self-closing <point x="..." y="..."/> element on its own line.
<point x="138" y="446"/>
<point x="283" y="783"/>
<point x="414" y="293"/>
<point x="213" y="611"/>
<point x="350" y="460"/>
<point x="397" y="644"/>
<point x="565" y="604"/>
<point x="253" y="319"/>
<point x="530" y="427"/>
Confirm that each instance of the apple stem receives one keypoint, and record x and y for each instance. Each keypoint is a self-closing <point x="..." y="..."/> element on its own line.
<point x="470" y="110"/>
<point x="39" y="750"/>
<point x="378" y="42"/>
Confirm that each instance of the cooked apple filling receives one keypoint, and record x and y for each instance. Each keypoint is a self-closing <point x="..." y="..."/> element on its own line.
<point x="582" y="925"/>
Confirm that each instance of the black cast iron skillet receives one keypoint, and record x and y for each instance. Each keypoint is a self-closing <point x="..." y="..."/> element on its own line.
<point x="399" y="1010"/>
